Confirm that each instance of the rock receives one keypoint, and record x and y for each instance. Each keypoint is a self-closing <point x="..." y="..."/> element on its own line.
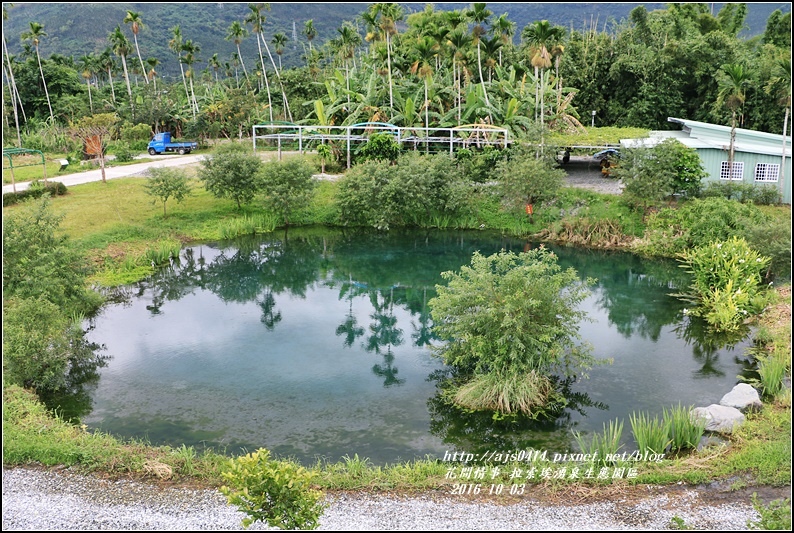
<point x="743" y="397"/>
<point x="719" y="418"/>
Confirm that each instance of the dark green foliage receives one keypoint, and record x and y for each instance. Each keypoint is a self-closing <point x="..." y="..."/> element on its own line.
<point x="232" y="172"/>
<point x="35" y="190"/>
<point x="39" y="263"/>
<point x="164" y="183"/>
<point x="525" y="179"/>
<point x="772" y="239"/>
<point x="42" y="347"/>
<point x="379" y="147"/>
<point x="123" y="152"/>
<point x="759" y="194"/>
<point x="288" y="186"/>
<point x="696" y="223"/>
<point x="414" y="192"/>
<point x="478" y="165"/>
<point x="652" y="174"/>
<point x="510" y="321"/>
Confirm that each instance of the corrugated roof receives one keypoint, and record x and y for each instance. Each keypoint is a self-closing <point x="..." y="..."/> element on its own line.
<point x="718" y="137"/>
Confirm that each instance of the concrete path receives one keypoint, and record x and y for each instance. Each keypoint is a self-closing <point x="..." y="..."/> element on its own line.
<point x="115" y="172"/>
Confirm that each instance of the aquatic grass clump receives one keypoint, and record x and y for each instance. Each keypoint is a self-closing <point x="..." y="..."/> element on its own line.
<point x="512" y="393"/>
<point x="650" y="434"/>
<point x="772" y="369"/>
<point x="162" y="252"/>
<point x="247" y="225"/>
<point x="685" y="431"/>
<point x="602" y="448"/>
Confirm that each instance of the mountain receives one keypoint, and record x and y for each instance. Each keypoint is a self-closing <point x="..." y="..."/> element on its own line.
<point x="77" y="29"/>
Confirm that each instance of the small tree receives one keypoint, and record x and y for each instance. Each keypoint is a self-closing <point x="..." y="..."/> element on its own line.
<point x="165" y="183"/>
<point x="96" y="131"/>
<point x="379" y="147"/>
<point x="525" y="180"/>
<point x="288" y="186"/>
<point x="232" y="172"/>
<point x="510" y="321"/>
<point x="650" y="175"/>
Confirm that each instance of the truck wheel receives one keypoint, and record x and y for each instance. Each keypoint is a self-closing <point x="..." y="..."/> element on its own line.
<point x="152" y="151"/>
<point x="181" y="151"/>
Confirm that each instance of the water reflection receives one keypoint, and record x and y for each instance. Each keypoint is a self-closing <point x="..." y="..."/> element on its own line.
<point x="319" y="342"/>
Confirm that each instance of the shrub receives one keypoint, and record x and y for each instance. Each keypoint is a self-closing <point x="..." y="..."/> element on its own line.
<point x="527" y="180"/>
<point x="277" y="492"/>
<point x="478" y="165"/>
<point x="38" y="262"/>
<point x="726" y="286"/>
<point x="696" y="223"/>
<point x="379" y="147"/>
<point x="123" y="152"/>
<point x="41" y="345"/>
<point x="36" y="190"/>
<point x="232" y="172"/>
<point x="288" y="186"/>
<point x="509" y="321"/>
<point x="419" y="190"/>
<point x="652" y="174"/>
<point x="759" y="194"/>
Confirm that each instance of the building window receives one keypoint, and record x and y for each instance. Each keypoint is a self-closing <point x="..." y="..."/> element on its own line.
<point x="738" y="171"/>
<point x="767" y="172"/>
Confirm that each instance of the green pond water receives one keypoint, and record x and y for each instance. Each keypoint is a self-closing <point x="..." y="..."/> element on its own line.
<point x="317" y="344"/>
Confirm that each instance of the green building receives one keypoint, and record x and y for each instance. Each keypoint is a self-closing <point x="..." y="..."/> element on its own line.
<point x="760" y="158"/>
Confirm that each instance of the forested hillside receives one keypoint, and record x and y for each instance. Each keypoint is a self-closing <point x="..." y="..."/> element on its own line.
<point x="214" y="70"/>
<point x="76" y="29"/>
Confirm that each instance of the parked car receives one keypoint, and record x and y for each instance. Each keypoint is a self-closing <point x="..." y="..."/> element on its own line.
<point x="609" y="153"/>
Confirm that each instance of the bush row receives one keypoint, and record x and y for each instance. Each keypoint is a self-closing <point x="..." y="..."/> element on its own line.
<point x="36" y="190"/>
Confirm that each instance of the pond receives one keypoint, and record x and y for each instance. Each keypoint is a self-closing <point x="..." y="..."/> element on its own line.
<point x="316" y="343"/>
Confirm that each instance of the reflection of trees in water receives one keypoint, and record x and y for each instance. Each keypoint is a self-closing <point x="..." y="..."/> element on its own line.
<point x="384" y="334"/>
<point x="479" y="431"/>
<point x="707" y="343"/>
<point x="73" y="401"/>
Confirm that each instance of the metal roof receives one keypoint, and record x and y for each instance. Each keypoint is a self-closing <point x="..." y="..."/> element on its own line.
<point x="718" y="137"/>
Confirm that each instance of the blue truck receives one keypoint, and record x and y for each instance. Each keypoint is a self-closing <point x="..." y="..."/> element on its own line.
<point x="161" y="143"/>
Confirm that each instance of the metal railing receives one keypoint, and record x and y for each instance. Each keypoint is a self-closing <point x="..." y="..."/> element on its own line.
<point x="466" y="136"/>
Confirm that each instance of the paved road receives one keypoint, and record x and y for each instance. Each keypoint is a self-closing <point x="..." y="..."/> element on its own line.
<point x="115" y="172"/>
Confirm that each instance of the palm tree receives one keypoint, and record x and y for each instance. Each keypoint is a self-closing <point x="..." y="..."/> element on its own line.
<point x="541" y="35"/>
<point x="781" y="84"/>
<point x="236" y="33"/>
<point x="215" y="63"/>
<point x="388" y="14"/>
<point x="191" y="50"/>
<point x="107" y="62"/>
<point x="278" y="42"/>
<point x="459" y="41"/>
<point x="309" y="32"/>
<point x="732" y="93"/>
<point x="151" y="73"/>
<point x="479" y="15"/>
<point x="134" y="19"/>
<point x="256" y="20"/>
<point x="121" y="47"/>
<point x="87" y="66"/>
<point x="426" y="49"/>
<point x="175" y="45"/>
<point x="504" y="28"/>
<point x="349" y="40"/>
<point x="11" y="83"/>
<point x="34" y="35"/>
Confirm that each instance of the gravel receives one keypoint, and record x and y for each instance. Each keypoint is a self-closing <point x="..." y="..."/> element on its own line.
<point x="39" y="499"/>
